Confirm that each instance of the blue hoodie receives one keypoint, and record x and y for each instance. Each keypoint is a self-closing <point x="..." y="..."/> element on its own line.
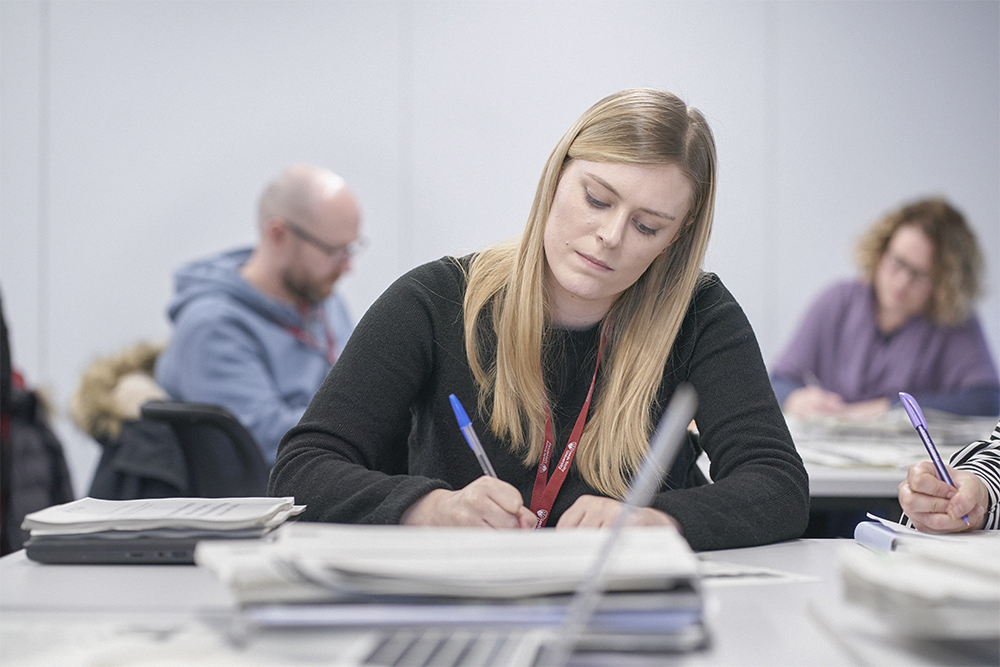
<point x="233" y="346"/>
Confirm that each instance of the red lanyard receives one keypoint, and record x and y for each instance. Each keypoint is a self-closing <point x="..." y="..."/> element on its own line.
<point x="304" y="337"/>
<point x="544" y="493"/>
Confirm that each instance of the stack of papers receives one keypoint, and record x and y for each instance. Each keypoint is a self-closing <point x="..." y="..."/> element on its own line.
<point x="150" y="530"/>
<point x="926" y="586"/>
<point x="887" y="441"/>
<point x="330" y="575"/>
<point x="893" y="426"/>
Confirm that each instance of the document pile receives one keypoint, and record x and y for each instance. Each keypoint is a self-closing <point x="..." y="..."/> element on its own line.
<point x="926" y="586"/>
<point x="886" y="442"/>
<point x="648" y="595"/>
<point x="150" y="530"/>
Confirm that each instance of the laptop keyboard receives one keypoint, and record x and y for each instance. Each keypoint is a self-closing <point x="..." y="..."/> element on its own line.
<point x="452" y="648"/>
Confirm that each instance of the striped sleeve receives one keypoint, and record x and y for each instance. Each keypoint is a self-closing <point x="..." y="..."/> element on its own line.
<point x="983" y="459"/>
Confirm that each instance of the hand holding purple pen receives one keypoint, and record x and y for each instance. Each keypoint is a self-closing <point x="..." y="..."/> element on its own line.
<point x="920" y="424"/>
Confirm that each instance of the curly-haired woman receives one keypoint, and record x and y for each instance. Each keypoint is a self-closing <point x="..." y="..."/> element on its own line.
<point x="907" y="325"/>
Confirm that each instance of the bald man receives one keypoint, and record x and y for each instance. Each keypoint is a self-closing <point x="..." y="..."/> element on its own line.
<point x="257" y="330"/>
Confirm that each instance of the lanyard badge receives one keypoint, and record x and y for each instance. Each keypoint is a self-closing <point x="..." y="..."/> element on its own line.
<point x="546" y="488"/>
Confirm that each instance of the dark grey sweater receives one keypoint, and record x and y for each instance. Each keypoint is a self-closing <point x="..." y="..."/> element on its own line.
<point x="380" y="432"/>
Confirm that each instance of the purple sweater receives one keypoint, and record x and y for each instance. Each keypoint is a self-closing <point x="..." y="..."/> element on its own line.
<point x="839" y="346"/>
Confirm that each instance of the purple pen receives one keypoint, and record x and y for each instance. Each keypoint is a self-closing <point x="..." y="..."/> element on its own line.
<point x="917" y="419"/>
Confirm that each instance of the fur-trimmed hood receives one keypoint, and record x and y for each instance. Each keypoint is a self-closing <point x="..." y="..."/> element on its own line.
<point x="113" y="390"/>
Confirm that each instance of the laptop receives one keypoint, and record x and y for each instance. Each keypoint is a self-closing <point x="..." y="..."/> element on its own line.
<point x="86" y="550"/>
<point x="147" y="530"/>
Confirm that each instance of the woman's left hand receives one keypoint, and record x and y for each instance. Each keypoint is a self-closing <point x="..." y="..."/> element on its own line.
<point x="600" y="512"/>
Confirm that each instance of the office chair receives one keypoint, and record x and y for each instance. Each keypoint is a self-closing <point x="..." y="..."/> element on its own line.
<point x="223" y="459"/>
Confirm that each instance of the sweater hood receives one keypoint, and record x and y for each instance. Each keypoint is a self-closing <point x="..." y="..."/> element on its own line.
<point x="219" y="276"/>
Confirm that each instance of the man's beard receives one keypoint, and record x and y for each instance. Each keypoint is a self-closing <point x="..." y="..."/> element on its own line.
<point x="303" y="291"/>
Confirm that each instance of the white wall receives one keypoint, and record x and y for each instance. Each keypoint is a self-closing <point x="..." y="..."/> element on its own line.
<point x="136" y="135"/>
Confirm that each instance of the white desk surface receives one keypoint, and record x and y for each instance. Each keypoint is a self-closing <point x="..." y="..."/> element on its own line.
<point x="70" y="615"/>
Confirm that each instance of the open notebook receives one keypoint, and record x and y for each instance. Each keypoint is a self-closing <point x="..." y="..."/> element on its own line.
<point x="425" y="596"/>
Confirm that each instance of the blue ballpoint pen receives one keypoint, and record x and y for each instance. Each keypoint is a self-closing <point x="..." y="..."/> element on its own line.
<point x="917" y="419"/>
<point x="465" y="424"/>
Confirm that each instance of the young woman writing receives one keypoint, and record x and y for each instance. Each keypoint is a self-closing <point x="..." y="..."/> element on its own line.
<point x="565" y="346"/>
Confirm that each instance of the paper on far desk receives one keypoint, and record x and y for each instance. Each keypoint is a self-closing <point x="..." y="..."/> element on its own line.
<point x="892" y="427"/>
<point x="883" y="442"/>
<point x="848" y="455"/>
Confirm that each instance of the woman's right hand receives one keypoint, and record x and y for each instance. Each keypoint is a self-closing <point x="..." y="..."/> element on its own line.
<point x="485" y="503"/>
<point x="818" y="402"/>
<point x="935" y="507"/>
<point x="811" y="401"/>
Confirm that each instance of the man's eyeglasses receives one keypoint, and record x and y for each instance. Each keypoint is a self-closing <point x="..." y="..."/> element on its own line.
<point x="338" y="252"/>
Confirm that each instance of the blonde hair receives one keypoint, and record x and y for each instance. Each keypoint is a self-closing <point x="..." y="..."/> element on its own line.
<point x="958" y="262"/>
<point x="506" y="293"/>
